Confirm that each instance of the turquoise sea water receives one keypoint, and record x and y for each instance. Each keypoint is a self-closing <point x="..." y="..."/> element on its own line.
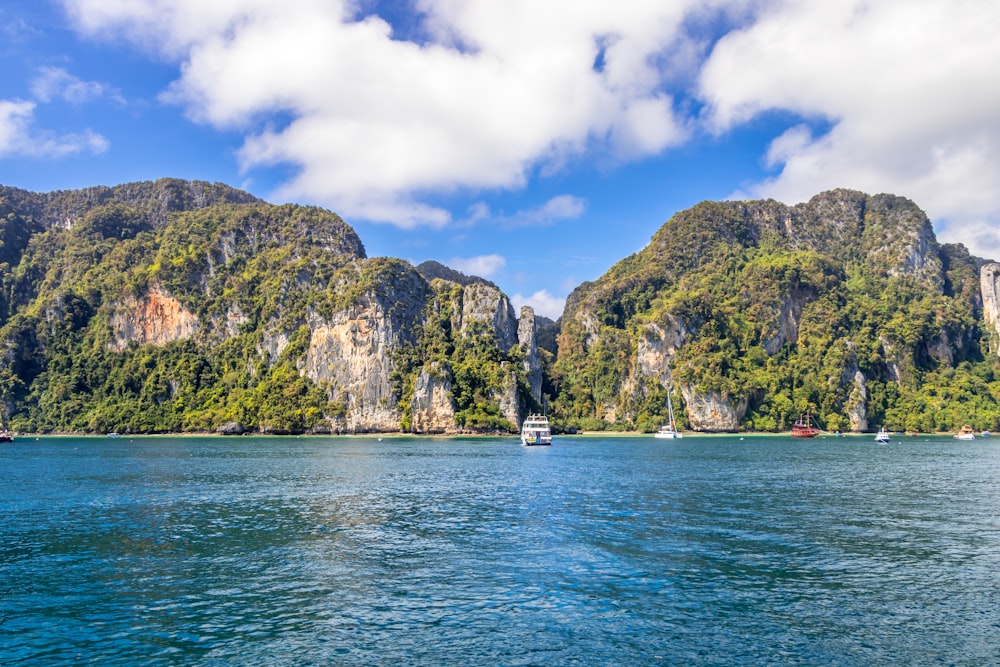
<point x="595" y="551"/>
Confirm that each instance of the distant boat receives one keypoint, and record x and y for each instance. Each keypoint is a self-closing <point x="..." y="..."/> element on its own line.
<point x="803" y="428"/>
<point x="6" y="436"/>
<point x="883" y="435"/>
<point x="113" y="434"/>
<point x="669" y="430"/>
<point x="965" y="433"/>
<point x="535" y="431"/>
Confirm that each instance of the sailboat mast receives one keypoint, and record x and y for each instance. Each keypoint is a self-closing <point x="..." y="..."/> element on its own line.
<point x="670" y="409"/>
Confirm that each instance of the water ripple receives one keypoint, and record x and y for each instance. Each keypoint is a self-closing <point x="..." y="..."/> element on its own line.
<point x="624" y="551"/>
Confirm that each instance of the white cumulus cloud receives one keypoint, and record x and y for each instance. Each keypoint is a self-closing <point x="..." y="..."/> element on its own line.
<point x="483" y="266"/>
<point x="19" y="137"/>
<point x="542" y="302"/>
<point x="556" y="209"/>
<point x="898" y="96"/>
<point x="56" y="83"/>
<point x="374" y="123"/>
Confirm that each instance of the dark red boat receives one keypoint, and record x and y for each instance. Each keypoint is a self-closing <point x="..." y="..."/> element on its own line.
<point x="803" y="428"/>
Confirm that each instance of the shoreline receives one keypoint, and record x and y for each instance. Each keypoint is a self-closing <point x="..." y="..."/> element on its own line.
<point x="398" y="434"/>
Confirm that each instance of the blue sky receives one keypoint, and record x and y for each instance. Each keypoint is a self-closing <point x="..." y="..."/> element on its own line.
<point x="532" y="142"/>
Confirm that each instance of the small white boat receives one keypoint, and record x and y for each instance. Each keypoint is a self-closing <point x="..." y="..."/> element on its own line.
<point x="535" y="431"/>
<point x="882" y="436"/>
<point x="669" y="430"/>
<point x="965" y="433"/>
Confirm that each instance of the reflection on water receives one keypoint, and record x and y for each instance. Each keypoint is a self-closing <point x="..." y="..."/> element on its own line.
<point x="619" y="551"/>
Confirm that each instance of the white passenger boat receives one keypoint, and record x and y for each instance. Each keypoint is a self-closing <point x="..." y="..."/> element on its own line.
<point x="535" y="431"/>
<point x="883" y="435"/>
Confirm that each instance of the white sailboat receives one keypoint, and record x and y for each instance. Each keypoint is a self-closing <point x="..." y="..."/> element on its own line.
<point x="669" y="430"/>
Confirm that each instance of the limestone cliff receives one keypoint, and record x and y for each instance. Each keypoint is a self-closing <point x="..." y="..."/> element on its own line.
<point x="352" y="351"/>
<point x="656" y="348"/>
<point x="528" y="341"/>
<point x="855" y="384"/>
<point x="789" y="314"/>
<point x="990" y="288"/>
<point x="713" y="411"/>
<point x="856" y="405"/>
<point x="156" y="319"/>
<point x="432" y="405"/>
<point x="482" y="303"/>
<point x="508" y="397"/>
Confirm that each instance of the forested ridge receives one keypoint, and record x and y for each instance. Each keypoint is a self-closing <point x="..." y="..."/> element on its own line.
<point x="174" y="306"/>
<point x="177" y="306"/>
<point x="99" y="253"/>
<point x="845" y="307"/>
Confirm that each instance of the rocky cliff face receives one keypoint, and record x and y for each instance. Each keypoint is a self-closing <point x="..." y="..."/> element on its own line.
<point x="352" y="352"/>
<point x="790" y="314"/>
<point x="511" y="406"/>
<point x="855" y="406"/>
<point x="713" y="411"/>
<point x="478" y="305"/>
<point x="989" y="277"/>
<point x="156" y="319"/>
<point x="483" y="303"/>
<point x="658" y="345"/>
<point x="433" y="406"/>
<point x="528" y="341"/>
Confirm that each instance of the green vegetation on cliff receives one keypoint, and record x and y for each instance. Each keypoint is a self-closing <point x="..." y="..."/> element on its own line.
<point x="845" y="307"/>
<point x="188" y="306"/>
<point x="177" y="306"/>
<point x="237" y="265"/>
